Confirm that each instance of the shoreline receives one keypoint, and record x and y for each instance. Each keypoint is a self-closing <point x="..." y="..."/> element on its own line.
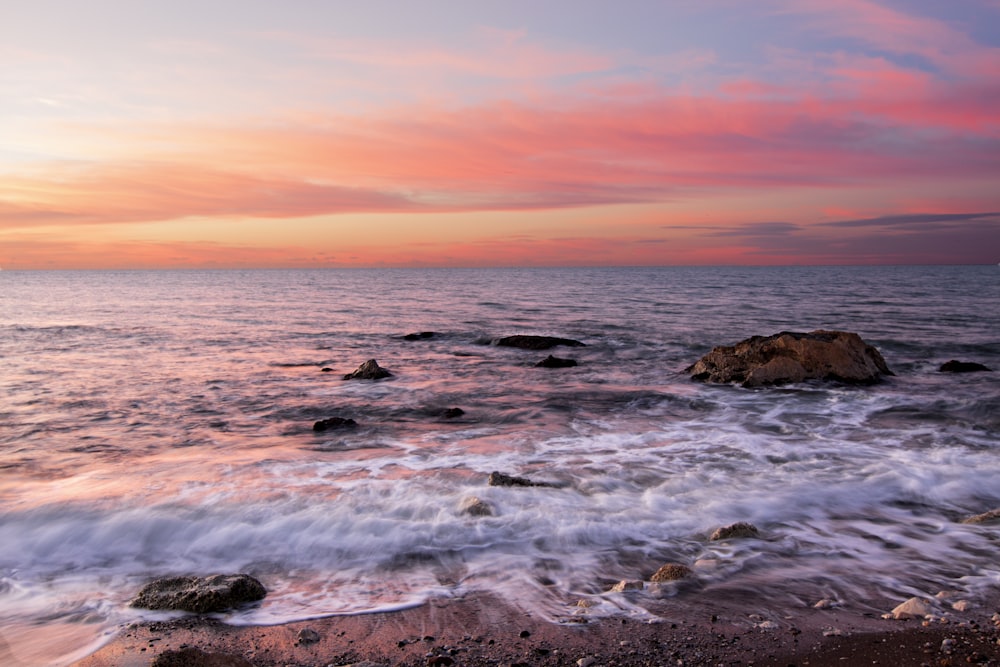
<point x="480" y="630"/>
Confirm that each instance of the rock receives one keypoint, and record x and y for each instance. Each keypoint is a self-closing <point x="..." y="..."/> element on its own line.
<point x="962" y="605"/>
<point x="423" y="335"/>
<point x="555" y="362"/>
<point x="537" y="342"/>
<point x="474" y="506"/>
<point x="370" y="370"/>
<point x="195" y="657"/>
<point x="307" y="636"/>
<point x="912" y="608"/>
<point x="452" y="413"/>
<point x="735" y="531"/>
<point x="985" y="517"/>
<point x="793" y="357"/>
<point x="962" y="367"/>
<point x="671" y="572"/>
<point x="326" y="369"/>
<point x="625" y="585"/>
<point x="334" y="422"/>
<point x="200" y="595"/>
<point x="825" y="603"/>
<point x="502" y="479"/>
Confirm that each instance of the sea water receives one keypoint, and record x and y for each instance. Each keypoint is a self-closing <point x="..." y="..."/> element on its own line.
<point x="159" y="423"/>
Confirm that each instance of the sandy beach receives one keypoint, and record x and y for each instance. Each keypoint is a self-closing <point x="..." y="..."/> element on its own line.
<point x="483" y="630"/>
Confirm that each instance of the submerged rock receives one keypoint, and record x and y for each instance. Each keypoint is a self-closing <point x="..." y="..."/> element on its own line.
<point x="200" y="595"/>
<point x="985" y="517"/>
<point x="555" y="362"/>
<point x="502" y="479"/>
<point x="423" y="335"/>
<point x="954" y="366"/>
<point x="370" y="370"/>
<point x="537" y="342"/>
<point x="735" y="531"/>
<point x="474" y="506"/>
<point x="793" y="357"/>
<point x="452" y="413"/>
<point x="334" y="422"/>
<point x="671" y="572"/>
<point x="626" y="585"/>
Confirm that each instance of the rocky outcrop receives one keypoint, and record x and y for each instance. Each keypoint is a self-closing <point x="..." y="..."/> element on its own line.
<point x="793" y="357"/>
<point x="502" y="479"/>
<point x="370" y="370"/>
<point x="200" y="595"/>
<point x="986" y="517"/>
<point x="671" y="572"/>
<point x="537" y="342"/>
<point x="954" y="366"/>
<point x="555" y="362"/>
<point x="738" y="530"/>
<point x="333" y="423"/>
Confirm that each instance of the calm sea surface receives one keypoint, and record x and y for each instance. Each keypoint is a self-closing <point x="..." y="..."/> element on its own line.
<point x="155" y="423"/>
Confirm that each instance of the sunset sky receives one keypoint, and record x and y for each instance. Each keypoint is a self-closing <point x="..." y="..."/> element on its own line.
<point x="251" y="133"/>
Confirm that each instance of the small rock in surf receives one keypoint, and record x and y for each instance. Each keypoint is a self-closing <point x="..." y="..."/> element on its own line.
<point x="200" y="595"/>
<point x="555" y="362"/>
<point x="370" y="370"/>
<point x="537" y="342"/>
<point x="334" y="422"/>
<point x="954" y="366"/>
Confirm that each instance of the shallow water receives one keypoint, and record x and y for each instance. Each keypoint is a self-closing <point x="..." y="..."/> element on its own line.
<point x="156" y="423"/>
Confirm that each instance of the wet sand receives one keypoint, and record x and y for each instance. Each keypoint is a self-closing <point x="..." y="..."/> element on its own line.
<point x="482" y="630"/>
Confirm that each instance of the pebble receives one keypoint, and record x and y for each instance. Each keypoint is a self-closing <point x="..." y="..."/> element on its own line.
<point x="912" y="608"/>
<point x="586" y="662"/>
<point x="962" y="605"/>
<point x="947" y="645"/>
<point x="825" y="603"/>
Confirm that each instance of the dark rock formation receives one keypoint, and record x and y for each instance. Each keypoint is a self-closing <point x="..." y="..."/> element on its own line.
<point x="370" y="370"/>
<point x="200" y="595"/>
<point x="954" y="366"/>
<point x="793" y="357"/>
<point x="423" y="335"/>
<point x="452" y="413"/>
<point x="555" y="362"/>
<point x="537" y="342"/>
<point x="735" y="531"/>
<point x="326" y="369"/>
<point x="502" y="479"/>
<point x="671" y="572"/>
<point x="195" y="657"/>
<point x="334" y="422"/>
<point x="474" y="506"/>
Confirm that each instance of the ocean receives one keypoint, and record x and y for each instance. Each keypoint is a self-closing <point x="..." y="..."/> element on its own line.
<point x="161" y="422"/>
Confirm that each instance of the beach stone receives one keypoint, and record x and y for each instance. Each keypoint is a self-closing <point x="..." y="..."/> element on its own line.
<point x="334" y="422"/>
<point x="627" y="585"/>
<point x="671" y="572"/>
<point x="912" y="608"/>
<point x="307" y="636"/>
<point x="537" y="342"/>
<point x="962" y="605"/>
<point x="792" y="357"/>
<point x="954" y="366"/>
<point x="555" y="362"/>
<point x="370" y="370"/>
<point x="195" y="657"/>
<point x="985" y="517"/>
<point x="200" y="595"/>
<point x="474" y="506"/>
<point x="735" y="531"/>
<point x="423" y="335"/>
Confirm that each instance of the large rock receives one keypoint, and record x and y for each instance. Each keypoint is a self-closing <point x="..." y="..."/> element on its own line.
<point x="200" y="595"/>
<point x="738" y="530"/>
<point x="537" y="342"/>
<point x="793" y="357"/>
<point x="370" y="370"/>
<point x="954" y="366"/>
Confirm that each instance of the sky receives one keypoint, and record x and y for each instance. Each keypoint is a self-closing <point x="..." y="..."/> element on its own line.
<point x="329" y="133"/>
